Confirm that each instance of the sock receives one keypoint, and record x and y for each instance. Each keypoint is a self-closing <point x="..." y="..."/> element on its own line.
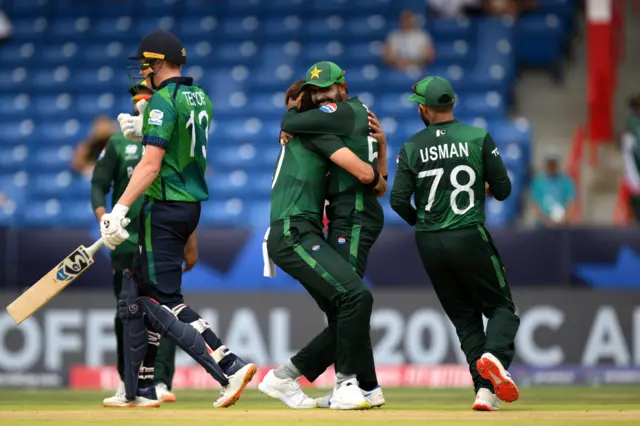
<point x="287" y="371"/>
<point x="340" y="377"/>
<point x="368" y="386"/>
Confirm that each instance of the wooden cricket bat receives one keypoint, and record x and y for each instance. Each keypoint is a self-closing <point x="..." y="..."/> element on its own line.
<point x="53" y="283"/>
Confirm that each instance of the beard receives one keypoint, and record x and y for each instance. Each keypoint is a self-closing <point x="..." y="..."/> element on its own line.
<point x="327" y="100"/>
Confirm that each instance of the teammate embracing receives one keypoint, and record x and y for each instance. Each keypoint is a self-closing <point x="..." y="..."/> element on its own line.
<point x="355" y="216"/>
<point x="296" y="244"/>
<point x="174" y="128"/>
<point x="449" y="166"/>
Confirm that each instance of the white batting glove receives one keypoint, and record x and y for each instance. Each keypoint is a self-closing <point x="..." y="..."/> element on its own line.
<point x="131" y="126"/>
<point x="112" y="227"/>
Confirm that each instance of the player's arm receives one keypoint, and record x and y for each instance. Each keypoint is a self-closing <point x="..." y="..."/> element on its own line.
<point x="334" y="149"/>
<point x="495" y="174"/>
<point x="341" y="122"/>
<point x="404" y="186"/>
<point x="190" y="253"/>
<point x="376" y="132"/>
<point x="158" y="123"/>
<point x="103" y="175"/>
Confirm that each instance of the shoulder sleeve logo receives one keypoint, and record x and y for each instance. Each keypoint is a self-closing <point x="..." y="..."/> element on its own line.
<point x="155" y="117"/>
<point x="329" y="108"/>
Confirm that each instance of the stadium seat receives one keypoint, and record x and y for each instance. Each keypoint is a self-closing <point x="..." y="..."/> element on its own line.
<point x="245" y="54"/>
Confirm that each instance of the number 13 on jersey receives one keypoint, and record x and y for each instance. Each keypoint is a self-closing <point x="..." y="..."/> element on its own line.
<point x="202" y="116"/>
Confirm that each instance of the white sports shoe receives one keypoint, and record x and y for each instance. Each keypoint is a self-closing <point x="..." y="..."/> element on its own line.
<point x="230" y="394"/>
<point x="485" y="401"/>
<point x="164" y="394"/>
<point x="348" y="396"/>
<point x="491" y="368"/>
<point x="375" y="398"/>
<point x="120" y="401"/>
<point x="286" y="390"/>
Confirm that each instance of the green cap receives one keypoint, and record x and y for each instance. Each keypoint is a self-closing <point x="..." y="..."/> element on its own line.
<point x="324" y="74"/>
<point x="433" y="92"/>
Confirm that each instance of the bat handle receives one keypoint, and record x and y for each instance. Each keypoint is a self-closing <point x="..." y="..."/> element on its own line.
<point x="93" y="249"/>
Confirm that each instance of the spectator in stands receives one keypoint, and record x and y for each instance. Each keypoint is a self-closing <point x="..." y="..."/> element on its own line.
<point x="5" y="27"/>
<point x="461" y="8"/>
<point x="631" y="155"/>
<point x="552" y="194"/>
<point x="88" y="150"/>
<point x="409" y="46"/>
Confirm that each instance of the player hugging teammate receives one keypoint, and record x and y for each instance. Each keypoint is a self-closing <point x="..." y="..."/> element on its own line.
<point x="331" y="156"/>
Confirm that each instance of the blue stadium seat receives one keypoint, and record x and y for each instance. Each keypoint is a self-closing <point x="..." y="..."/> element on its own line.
<point x="30" y="28"/>
<point x="223" y="212"/>
<point x="52" y="159"/>
<point x="538" y="39"/>
<point x="24" y="8"/>
<point x="14" y="54"/>
<point x="490" y="105"/>
<point x="14" y="158"/>
<point x="282" y="28"/>
<point x="70" y="28"/>
<point x="451" y="29"/>
<point x="15" y="80"/>
<point x="16" y="132"/>
<point x="241" y="28"/>
<point x="15" y="107"/>
<point x="58" y="185"/>
<point x="331" y="51"/>
<point x="15" y="186"/>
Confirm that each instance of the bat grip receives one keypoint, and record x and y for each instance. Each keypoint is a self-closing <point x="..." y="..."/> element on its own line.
<point x="93" y="249"/>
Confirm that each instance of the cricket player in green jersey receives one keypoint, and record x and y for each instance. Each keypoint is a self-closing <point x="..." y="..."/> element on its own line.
<point x="355" y="216"/>
<point x="446" y="166"/>
<point x="295" y="242"/>
<point x="174" y="128"/>
<point x="114" y="168"/>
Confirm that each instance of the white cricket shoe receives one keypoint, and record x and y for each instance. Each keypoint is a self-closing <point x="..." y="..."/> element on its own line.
<point x="375" y="398"/>
<point x="230" y="394"/>
<point x="348" y="396"/>
<point x="164" y="394"/>
<point x="485" y="401"/>
<point x="491" y="368"/>
<point x="286" y="390"/>
<point x="120" y="401"/>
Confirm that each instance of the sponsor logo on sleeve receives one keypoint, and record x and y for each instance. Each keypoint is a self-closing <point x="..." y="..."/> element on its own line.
<point x="155" y="117"/>
<point x="329" y="108"/>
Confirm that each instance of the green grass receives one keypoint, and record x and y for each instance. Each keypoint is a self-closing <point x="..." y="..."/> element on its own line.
<point x="606" y="406"/>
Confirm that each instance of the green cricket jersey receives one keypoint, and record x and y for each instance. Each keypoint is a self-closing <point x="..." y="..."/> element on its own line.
<point x="350" y="121"/>
<point x="114" y="168"/>
<point x="298" y="186"/>
<point x="446" y="166"/>
<point x="177" y="119"/>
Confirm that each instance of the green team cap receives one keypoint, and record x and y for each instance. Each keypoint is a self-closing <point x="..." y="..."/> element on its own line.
<point x="324" y="74"/>
<point x="433" y="92"/>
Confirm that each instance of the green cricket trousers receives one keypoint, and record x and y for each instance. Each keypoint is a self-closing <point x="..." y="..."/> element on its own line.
<point x="297" y="246"/>
<point x="468" y="278"/>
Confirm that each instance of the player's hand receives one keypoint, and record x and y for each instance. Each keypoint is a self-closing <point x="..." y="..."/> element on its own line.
<point x="487" y="190"/>
<point x="381" y="187"/>
<point x="299" y="101"/>
<point x="284" y="138"/>
<point x="375" y="128"/>
<point x="190" y="257"/>
<point x="112" y="227"/>
<point x="131" y="126"/>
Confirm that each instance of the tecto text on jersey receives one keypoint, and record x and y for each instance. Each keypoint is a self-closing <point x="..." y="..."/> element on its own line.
<point x="194" y="99"/>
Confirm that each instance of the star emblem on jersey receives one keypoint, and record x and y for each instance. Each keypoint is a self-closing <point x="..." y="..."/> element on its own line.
<point x="329" y="108"/>
<point x="315" y="72"/>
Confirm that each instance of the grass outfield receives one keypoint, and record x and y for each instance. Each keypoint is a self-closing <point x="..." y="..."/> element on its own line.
<point x="605" y="406"/>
